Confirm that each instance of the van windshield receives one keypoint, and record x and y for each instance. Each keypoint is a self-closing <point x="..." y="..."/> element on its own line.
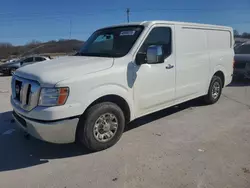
<point x="111" y="42"/>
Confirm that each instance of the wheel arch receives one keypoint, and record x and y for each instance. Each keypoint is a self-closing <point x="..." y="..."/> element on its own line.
<point x="116" y="99"/>
<point x="220" y="72"/>
<point x="117" y="94"/>
<point x="222" y="77"/>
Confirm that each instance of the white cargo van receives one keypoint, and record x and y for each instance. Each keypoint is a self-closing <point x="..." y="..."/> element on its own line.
<point x="121" y="73"/>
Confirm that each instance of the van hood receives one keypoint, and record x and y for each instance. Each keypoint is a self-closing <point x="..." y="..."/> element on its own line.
<point x="56" y="70"/>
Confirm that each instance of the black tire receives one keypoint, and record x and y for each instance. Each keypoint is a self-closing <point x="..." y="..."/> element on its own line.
<point x="85" y="131"/>
<point x="210" y="98"/>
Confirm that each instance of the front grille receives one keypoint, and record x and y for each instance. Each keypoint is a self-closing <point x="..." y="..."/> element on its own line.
<point x="28" y="94"/>
<point x="240" y="65"/>
<point x="25" y="93"/>
<point x="18" y="86"/>
<point x="20" y="119"/>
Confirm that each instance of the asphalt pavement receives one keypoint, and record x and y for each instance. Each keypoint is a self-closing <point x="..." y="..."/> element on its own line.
<point x="186" y="146"/>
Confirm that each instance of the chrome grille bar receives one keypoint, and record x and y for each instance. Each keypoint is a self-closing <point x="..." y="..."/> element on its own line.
<point x="33" y="94"/>
<point x="13" y="82"/>
<point x="23" y="96"/>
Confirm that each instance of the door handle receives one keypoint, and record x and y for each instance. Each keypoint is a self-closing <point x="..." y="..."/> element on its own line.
<point x="169" y="66"/>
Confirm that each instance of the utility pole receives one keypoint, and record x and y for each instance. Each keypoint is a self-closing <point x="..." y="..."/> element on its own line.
<point x="128" y="11"/>
<point x="70" y="28"/>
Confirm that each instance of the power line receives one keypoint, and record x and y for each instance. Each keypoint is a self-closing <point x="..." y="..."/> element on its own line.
<point x="62" y="35"/>
<point x="84" y="33"/>
<point x="59" y="14"/>
<point x="53" y="16"/>
<point x="44" y="19"/>
<point x="191" y="9"/>
<point x="58" y="17"/>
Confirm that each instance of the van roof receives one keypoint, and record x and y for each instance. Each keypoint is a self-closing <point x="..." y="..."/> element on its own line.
<point x="149" y="23"/>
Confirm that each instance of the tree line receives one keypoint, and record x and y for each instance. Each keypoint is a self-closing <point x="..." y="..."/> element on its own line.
<point x="8" y="50"/>
<point x="243" y="35"/>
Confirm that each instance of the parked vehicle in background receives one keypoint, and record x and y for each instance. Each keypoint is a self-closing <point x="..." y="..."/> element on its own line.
<point x="239" y="41"/>
<point x="12" y="60"/>
<point x="242" y="62"/>
<point x="34" y="59"/>
<point x="237" y="44"/>
<point x="10" y="67"/>
<point x="122" y="73"/>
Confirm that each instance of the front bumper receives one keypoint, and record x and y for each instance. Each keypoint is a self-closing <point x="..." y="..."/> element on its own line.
<point x="59" y="132"/>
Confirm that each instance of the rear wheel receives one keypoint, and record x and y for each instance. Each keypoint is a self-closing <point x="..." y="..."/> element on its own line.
<point x="214" y="91"/>
<point x="101" y="126"/>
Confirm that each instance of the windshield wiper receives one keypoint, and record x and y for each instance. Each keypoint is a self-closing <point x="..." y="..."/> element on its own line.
<point x="81" y="54"/>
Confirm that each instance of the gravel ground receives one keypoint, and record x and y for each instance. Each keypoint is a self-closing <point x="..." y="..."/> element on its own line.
<point x="186" y="146"/>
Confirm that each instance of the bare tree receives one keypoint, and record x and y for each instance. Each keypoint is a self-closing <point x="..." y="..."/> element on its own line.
<point x="236" y="33"/>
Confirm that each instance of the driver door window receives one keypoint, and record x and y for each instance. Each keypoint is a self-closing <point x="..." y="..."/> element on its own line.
<point x="38" y="59"/>
<point x="159" y="36"/>
<point x="28" y="60"/>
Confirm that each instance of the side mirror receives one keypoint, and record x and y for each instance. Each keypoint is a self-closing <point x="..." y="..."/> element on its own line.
<point x="155" y="54"/>
<point x="140" y="58"/>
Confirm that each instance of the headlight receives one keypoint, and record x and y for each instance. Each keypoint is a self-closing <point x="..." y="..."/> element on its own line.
<point x="53" y="96"/>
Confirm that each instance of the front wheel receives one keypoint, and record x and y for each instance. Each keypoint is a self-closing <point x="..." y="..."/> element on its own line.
<point x="214" y="91"/>
<point x="101" y="126"/>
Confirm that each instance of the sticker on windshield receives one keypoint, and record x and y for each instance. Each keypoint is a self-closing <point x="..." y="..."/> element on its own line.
<point x="126" y="33"/>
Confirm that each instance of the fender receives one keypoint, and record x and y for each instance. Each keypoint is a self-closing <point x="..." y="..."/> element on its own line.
<point x="219" y="68"/>
<point x="216" y="69"/>
<point x="109" y="89"/>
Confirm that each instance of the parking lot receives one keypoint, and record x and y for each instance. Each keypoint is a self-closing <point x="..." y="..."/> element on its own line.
<point x="186" y="146"/>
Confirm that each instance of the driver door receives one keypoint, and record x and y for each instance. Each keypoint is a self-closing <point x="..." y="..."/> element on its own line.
<point x="154" y="86"/>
